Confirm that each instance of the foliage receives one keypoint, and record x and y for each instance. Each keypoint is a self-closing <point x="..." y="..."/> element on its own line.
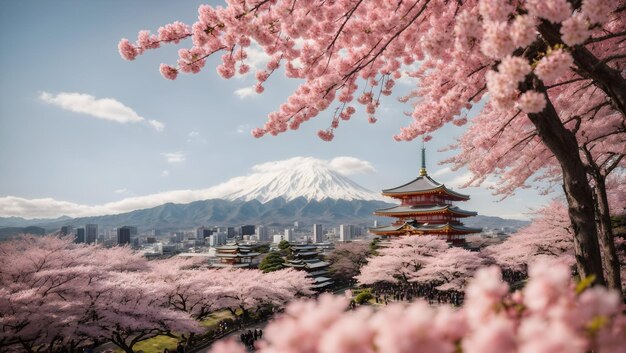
<point x="263" y="248"/>
<point x="272" y="262"/>
<point x="363" y="297"/>
<point x="374" y="245"/>
<point x="284" y="245"/>
<point x="547" y="316"/>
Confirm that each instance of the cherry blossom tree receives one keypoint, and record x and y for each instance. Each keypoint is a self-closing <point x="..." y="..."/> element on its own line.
<point x="128" y="309"/>
<point x="249" y="290"/>
<point x="551" y="314"/>
<point x="188" y="288"/>
<point x="450" y="270"/>
<point x="44" y="279"/>
<point x="399" y="262"/>
<point x="548" y="236"/>
<point x="347" y="259"/>
<point x="527" y="61"/>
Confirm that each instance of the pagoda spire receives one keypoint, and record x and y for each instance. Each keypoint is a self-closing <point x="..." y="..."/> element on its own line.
<point x="423" y="171"/>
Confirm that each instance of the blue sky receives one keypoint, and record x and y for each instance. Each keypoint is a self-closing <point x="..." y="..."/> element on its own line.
<point x="51" y="153"/>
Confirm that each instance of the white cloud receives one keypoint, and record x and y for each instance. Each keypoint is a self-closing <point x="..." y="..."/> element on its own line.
<point x="103" y="108"/>
<point x="260" y="174"/>
<point x="157" y="125"/>
<point x="121" y="191"/>
<point x="243" y="129"/>
<point x="245" y="92"/>
<point x="257" y="58"/>
<point x="458" y="179"/>
<point x="194" y="137"/>
<point x="350" y="165"/>
<point x="174" y="157"/>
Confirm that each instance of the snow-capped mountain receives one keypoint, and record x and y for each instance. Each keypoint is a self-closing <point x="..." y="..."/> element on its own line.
<point x="299" y="177"/>
<point x="306" y="177"/>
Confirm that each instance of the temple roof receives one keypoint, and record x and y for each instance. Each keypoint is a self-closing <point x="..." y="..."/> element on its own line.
<point x="425" y="227"/>
<point x="399" y="210"/>
<point x="422" y="184"/>
<point x="250" y="254"/>
<point x="306" y="253"/>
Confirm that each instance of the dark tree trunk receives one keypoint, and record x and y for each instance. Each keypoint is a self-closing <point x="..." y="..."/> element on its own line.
<point x="610" y="262"/>
<point x="564" y="146"/>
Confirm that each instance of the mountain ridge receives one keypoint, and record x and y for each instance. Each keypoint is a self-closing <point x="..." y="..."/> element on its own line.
<point x="275" y="212"/>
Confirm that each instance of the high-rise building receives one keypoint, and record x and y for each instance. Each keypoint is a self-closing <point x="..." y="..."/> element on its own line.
<point x="123" y="235"/>
<point x="262" y="234"/>
<point x="217" y="239"/>
<point x="278" y="238"/>
<point x="203" y="232"/>
<point x="247" y="230"/>
<point x="80" y="235"/>
<point x="230" y="232"/>
<point x="176" y="237"/>
<point x="91" y="233"/>
<point x="289" y="235"/>
<point x="346" y="232"/>
<point x="318" y="235"/>
<point x="66" y="230"/>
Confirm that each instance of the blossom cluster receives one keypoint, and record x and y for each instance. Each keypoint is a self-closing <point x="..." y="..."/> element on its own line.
<point x="548" y="316"/>
<point x="338" y="47"/>
<point x="61" y="295"/>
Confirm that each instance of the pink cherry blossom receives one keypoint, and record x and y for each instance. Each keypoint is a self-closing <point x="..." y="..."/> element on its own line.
<point x="575" y="30"/>
<point x="168" y="72"/>
<point x="523" y="30"/>
<point x="514" y="68"/>
<point x="554" y="10"/>
<point x="531" y="102"/>
<point x="494" y="10"/>
<point x="127" y="50"/>
<point x="497" y="41"/>
<point x="596" y="10"/>
<point x="554" y="65"/>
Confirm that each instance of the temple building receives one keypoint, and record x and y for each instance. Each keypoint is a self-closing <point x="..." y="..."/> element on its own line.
<point x="306" y="257"/>
<point x="236" y="255"/>
<point x="426" y="208"/>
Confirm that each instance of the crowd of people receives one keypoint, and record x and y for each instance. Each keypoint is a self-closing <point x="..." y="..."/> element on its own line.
<point x="248" y="338"/>
<point x="386" y="292"/>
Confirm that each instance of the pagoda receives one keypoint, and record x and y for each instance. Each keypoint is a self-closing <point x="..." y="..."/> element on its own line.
<point x="236" y="255"/>
<point x="306" y="257"/>
<point x="426" y="208"/>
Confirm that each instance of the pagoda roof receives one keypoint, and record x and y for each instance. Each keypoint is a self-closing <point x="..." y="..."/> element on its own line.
<point x="410" y="210"/>
<point x="237" y="265"/>
<point x="251" y="254"/>
<point x="321" y="279"/>
<point x="318" y="264"/>
<point x="303" y="247"/>
<point x="321" y="285"/>
<point x="306" y="253"/>
<point x="413" y="226"/>
<point x="420" y="185"/>
<point x="318" y="273"/>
